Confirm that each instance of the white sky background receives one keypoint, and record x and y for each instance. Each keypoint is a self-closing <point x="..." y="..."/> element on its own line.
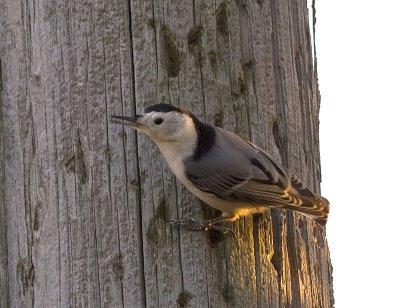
<point x="358" y="52"/>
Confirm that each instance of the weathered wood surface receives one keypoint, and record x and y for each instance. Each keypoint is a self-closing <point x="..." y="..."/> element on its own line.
<point x="3" y="223"/>
<point x="85" y="203"/>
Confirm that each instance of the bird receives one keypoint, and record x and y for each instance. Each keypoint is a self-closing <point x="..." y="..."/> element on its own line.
<point x="222" y="169"/>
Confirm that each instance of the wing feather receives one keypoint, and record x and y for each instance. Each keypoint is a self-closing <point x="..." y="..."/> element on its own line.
<point x="249" y="175"/>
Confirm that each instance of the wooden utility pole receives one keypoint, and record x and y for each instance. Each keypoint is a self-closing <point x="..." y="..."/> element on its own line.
<point x="85" y="204"/>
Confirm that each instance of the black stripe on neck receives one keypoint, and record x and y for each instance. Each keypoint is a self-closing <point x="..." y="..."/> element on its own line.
<point x="205" y="138"/>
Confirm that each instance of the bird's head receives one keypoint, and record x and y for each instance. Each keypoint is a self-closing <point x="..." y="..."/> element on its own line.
<point x="161" y="122"/>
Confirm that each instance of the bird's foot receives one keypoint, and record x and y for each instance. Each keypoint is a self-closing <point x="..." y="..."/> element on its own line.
<point x="194" y="225"/>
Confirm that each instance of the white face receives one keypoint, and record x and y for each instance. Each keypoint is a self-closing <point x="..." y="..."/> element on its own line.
<point x="163" y="126"/>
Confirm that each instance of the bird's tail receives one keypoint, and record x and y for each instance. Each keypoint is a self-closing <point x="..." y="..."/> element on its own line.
<point x="316" y="207"/>
<point x="308" y="203"/>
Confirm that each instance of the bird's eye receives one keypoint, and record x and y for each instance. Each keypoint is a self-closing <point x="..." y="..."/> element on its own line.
<point x="158" y="121"/>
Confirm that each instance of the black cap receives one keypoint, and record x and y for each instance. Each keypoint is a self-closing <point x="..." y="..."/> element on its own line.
<point x="162" y="108"/>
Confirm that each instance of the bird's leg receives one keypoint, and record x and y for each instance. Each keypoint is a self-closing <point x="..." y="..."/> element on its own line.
<point x="212" y="224"/>
<point x="194" y="225"/>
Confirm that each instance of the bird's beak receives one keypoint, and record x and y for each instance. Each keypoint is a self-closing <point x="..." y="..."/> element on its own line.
<point x="125" y="120"/>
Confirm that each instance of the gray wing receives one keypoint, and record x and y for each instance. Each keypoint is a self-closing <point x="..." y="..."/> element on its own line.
<point x="237" y="170"/>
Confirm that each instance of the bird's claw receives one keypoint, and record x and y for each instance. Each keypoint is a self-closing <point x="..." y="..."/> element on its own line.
<point x="194" y="225"/>
<point x="222" y="229"/>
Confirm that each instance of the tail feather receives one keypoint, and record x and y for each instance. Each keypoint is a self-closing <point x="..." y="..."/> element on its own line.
<point x="316" y="207"/>
<point x="309" y="203"/>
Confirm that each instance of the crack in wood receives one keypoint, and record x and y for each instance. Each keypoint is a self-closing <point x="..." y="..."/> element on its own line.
<point x="26" y="274"/>
<point x="74" y="162"/>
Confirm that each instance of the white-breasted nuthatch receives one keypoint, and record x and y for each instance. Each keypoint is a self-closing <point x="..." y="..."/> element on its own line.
<point x="220" y="168"/>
